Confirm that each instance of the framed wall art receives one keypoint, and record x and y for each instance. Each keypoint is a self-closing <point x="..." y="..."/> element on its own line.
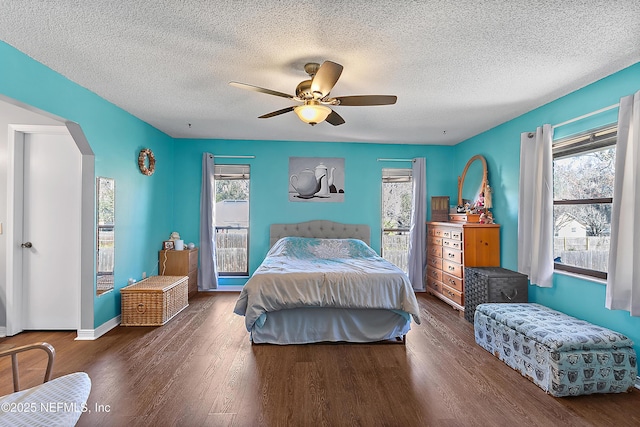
<point x="316" y="179"/>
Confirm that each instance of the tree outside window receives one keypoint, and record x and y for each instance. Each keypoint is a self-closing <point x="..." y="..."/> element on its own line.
<point x="232" y="219"/>
<point x="397" y="198"/>
<point x="583" y="172"/>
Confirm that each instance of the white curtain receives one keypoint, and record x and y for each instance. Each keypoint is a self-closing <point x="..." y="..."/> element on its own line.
<point x="418" y="233"/>
<point x="208" y="271"/>
<point x="535" y="213"/>
<point x="623" y="278"/>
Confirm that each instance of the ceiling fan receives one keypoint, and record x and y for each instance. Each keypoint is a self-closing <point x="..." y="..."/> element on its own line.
<point x="314" y="94"/>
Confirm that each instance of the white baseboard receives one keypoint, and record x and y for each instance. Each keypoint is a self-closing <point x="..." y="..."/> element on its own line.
<point x="93" y="334"/>
<point x="224" y="288"/>
<point x="3" y="331"/>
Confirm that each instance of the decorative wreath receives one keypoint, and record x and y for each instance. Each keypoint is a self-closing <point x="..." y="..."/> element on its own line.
<point x="146" y="155"/>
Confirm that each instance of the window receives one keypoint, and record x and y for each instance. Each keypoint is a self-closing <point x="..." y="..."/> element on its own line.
<point x="232" y="219"/>
<point x="583" y="178"/>
<point x="397" y="196"/>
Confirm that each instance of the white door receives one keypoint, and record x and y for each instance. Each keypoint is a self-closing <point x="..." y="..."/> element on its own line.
<point x="52" y="213"/>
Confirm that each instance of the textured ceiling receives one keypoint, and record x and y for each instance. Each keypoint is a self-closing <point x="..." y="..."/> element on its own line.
<point x="458" y="67"/>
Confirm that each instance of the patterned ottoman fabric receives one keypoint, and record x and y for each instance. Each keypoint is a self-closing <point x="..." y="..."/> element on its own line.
<point x="563" y="355"/>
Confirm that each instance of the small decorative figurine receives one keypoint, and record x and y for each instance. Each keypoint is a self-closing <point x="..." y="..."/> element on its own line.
<point x="489" y="218"/>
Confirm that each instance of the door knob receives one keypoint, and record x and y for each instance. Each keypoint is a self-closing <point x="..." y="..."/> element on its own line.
<point x="27" y="245"/>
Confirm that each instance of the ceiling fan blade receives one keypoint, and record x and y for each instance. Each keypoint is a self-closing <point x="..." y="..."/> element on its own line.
<point x="364" y="100"/>
<point x="325" y="78"/>
<point x="334" y="119"/>
<point x="260" y="89"/>
<point x="276" y="113"/>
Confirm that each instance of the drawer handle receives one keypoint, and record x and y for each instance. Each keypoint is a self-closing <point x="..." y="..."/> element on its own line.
<point x="141" y="308"/>
<point x="515" y="294"/>
<point x="451" y="268"/>
<point x="451" y="256"/>
<point x="453" y="282"/>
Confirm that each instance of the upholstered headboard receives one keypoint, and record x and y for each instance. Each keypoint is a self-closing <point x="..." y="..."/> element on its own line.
<point x="320" y="229"/>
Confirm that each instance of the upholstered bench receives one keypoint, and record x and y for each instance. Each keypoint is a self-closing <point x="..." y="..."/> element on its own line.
<point x="563" y="355"/>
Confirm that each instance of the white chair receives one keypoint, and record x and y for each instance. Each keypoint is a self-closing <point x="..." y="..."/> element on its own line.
<point x="58" y="402"/>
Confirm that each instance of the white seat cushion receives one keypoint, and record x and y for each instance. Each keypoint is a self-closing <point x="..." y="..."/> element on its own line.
<point x="59" y="402"/>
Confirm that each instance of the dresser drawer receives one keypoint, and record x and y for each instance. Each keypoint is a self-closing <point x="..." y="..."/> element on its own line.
<point x="452" y="268"/>
<point x="455" y="244"/>
<point x="452" y="255"/>
<point x="434" y="250"/>
<point x="452" y="294"/>
<point x="193" y="260"/>
<point x="452" y="281"/>
<point x="434" y="241"/>
<point x="435" y="262"/>
<point x="433" y="273"/>
<point x="438" y="232"/>
<point x="434" y="285"/>
<point x="456" y="234"/>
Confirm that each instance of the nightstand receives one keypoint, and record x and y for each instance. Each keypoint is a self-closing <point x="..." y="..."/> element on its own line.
<point x="180" y="263"/>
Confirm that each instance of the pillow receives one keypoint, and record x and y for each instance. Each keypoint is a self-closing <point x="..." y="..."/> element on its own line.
<point x="310" y="247"/>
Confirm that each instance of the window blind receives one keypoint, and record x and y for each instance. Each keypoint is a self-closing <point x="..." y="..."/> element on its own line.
<point x="231" y="171"/>
<point x="589" y="141"/>
<point x="396" y="175"/>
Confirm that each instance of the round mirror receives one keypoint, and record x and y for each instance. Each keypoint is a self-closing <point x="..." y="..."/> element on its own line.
<point x="472" y="184"/>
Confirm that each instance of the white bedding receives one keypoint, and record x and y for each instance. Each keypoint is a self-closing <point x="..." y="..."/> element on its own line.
<point x="308" y="272"/>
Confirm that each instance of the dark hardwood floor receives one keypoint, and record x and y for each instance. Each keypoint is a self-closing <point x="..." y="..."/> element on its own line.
<point x="200" y="369"/>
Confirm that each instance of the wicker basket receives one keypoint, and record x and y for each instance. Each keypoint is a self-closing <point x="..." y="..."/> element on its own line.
<point x="154" y="301"/>
<point x="492" y="284"/>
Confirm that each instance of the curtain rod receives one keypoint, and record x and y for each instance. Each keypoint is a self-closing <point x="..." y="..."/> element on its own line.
<point x="233" y="157"/>
<point x="593" y="113"/>
<point x="395" y="160"/>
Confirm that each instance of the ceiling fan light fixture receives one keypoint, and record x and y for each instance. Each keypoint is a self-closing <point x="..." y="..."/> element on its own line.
<point x="314" y="94"/>
<point x="312" y="113"/>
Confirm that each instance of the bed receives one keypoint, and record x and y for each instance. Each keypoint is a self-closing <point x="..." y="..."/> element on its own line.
<point x="321" y="282"/>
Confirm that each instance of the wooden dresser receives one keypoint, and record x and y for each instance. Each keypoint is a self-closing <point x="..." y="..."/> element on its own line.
<point x="452" y="246"/>
<point x="180" y="263"/>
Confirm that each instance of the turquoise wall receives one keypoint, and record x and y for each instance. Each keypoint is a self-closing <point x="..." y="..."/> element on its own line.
<point x="270" y="179"/>
<point x="501" y="146"/>
<point x="115" y="136"/>
<point x="149" y="208"/>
